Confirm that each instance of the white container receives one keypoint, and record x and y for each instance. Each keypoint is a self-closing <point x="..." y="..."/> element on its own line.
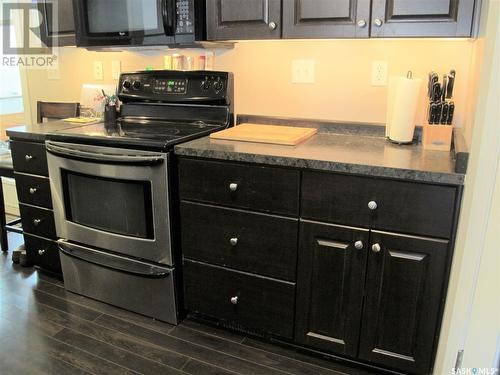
<point x="402" y="102"/>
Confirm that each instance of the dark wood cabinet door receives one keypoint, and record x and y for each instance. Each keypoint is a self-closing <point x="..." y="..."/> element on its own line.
<point x="402" y="18"/>
<point x="404" y="294"/>
<point x="62" y="32"/>
<point x="330" y="284"/>
<point x="326" y="18"/>
<point x="243" y="19"/>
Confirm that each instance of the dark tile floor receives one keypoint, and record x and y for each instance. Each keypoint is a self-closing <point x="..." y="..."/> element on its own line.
<point x="47" y="330"/>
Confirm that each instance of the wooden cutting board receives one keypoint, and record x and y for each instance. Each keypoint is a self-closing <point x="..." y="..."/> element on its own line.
<point x="281" y="135"/>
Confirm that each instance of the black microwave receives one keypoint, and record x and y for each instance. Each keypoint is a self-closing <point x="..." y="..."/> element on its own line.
<point x="107" y="23"/>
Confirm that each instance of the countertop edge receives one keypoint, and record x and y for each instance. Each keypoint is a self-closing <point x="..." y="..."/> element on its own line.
<point x="456" y="179"/>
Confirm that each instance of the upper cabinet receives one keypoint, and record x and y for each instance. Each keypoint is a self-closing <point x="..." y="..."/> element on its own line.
<point x="243" y="19"/>
<point x="302" y="19"/>
<point x="326" y="18"/>
<point x="64" y="34"/>
<point x="401" y="18"/>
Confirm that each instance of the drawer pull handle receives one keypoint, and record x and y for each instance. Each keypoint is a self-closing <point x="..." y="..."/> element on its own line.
<point x="376" y="248"/>
<point x="273" y="25"/>
<point x="41" y="251"/>
<point x="33" y="190"/>
<point x="37" y="221"/>
<point x="233" y="241"/>
<point x="234" y="300"/>
<point x="358" y="245"/>
<point x="233" y="186"/>
<point x="362" y="23"/>
<point x="378" y="22"/>
<point x="372" y="205"/>
<point x="28" y="157"/>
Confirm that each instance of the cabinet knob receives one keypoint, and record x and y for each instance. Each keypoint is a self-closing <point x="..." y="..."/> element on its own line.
<point x="233" y="241"/>
<point x="372" y="205"/>
<point x="378" y="22"/>
<point x="28" y="157"/>
<point x="234" y="300"/>
<point x="358" y="245"/>
<point x="376" y="248"/>
<point x="41" y="251"/>
<point x="233" y="186"/>
<point x="33" y="190"/>
<point x="37" y="221"/>
<point x="272" y="25"/>
<point x="362" y="23"/>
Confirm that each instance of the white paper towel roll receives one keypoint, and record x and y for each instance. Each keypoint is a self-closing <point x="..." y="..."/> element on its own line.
<point x="402" y="101"/>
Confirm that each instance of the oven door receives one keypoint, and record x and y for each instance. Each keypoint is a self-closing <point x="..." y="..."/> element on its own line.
<point x="111" y="198"/>
<point x="133" y="22"/>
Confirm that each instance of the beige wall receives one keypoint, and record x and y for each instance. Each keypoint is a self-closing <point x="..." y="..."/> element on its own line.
<point x="263" y="75"/>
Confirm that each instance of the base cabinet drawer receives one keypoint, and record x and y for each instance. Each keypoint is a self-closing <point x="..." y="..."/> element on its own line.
<point x="396" y="206"/>
<point x="38" y="221"/>
<point x="33" y="190"/>
<point x="29" y="157"/>
<point x="253" y="187"/>
<point x="246" y="241"/>
<point x="248" y="301"/>
<point x="43" y="252"/>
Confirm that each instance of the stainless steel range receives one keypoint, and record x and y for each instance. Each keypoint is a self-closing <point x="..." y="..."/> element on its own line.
<point x="114" y="194"/>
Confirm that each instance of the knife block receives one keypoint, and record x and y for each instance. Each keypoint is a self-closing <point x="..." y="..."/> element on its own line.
<point x="437" y="137"/>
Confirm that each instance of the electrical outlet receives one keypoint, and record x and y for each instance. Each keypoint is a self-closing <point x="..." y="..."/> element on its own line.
<point x="98" y="71"/>
<point x="303" y="71"/>
<point x="116" y="69"/>
<point x="379" y="73"/>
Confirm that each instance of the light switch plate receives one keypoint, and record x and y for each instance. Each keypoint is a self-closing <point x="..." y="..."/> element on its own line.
<point x="379" y="73"/>
<point x="98" y="71"/>
<point x="303" y="71"/>
<point x="116" y="69"/>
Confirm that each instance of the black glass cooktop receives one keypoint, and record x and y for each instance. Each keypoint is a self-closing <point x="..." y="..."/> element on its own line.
<point x="141" y="134"/>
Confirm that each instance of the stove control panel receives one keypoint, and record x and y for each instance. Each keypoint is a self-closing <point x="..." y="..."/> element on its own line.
<point x="175" y="86"/>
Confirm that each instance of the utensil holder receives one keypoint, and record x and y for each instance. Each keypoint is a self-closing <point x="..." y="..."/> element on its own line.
<point x="109" y="114"/>
<point x="437" y="137"/>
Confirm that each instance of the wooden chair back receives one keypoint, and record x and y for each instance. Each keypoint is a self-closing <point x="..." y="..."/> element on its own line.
<point x="56" y="111"/>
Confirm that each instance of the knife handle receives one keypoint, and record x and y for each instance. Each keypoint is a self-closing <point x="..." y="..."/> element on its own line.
<point x="444" y="114"/>
<point x="439" y="108"/>
<point x="451" y="110"/>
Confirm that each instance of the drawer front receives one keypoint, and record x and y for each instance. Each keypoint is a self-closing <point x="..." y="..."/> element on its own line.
<point x="401" y="206"/>
<point x="252" y="302"/>
<point x="38" y="221"/>
<point x="33" y="190"/>
<point x="237" y="185"/>
<point x="42" y="252"/>
<point x="29" y="157"/>
<point x="257" y="243"/>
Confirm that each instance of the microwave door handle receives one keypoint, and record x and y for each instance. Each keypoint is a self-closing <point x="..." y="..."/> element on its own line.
<point x="112" y="261"/>
<point x="168" y="16"/>
<point x="92" y="156"/>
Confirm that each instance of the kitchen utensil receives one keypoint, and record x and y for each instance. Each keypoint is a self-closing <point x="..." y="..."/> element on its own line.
<point x="444" y="87"/>
<point x="283" y="135"/>
<point x="451" y="110"/>
<point x="451" y="84"/>
<point x="444" y="113"/>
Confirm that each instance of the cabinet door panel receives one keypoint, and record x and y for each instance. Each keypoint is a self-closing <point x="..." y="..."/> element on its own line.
<point x="402" y="18"/>
<point x="243" y="19"/>
<point x="404" y="291"/>
<point x="330" y="283"/>
<point x="62" y="33"/>
<point x="325" y="18"/>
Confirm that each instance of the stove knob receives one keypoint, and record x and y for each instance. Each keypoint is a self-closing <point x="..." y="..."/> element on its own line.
<point x="136" y="85"/>
<point x="127" y="84"/>
<point x="205" y="85"/>
<point x="218" y="86"/>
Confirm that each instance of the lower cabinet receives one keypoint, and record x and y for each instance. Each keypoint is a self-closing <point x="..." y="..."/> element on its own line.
<point x="369" y="294"/>
<point x="242" y="300"/>
<point x="330" y="284"/>
<point x="404" y="290"/>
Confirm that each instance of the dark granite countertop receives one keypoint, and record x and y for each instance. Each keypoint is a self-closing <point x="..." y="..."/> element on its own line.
<point x="361" y="154"/>
<point x="38" y="132"/>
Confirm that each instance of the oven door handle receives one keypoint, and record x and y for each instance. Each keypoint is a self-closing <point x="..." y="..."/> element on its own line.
<point x="57" y="148"/>
<point x="111" y="261"/>
<point x="168" y="16"/>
